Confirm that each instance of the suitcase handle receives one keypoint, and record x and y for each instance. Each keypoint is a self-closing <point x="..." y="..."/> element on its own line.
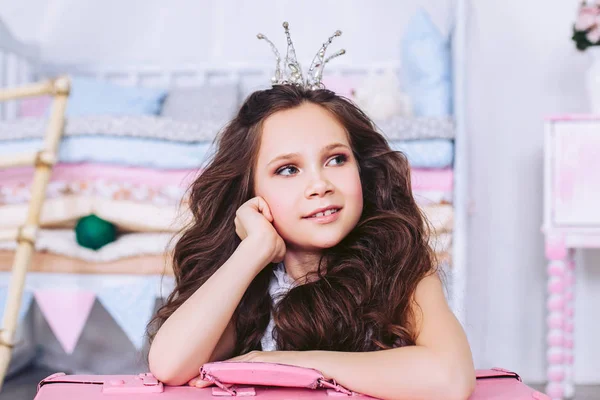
<point x="226" y="374"/>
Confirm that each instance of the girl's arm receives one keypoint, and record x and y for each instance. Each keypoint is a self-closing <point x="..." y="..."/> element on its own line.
<point x="440" y="366"/>
<point x="201" y="329"/>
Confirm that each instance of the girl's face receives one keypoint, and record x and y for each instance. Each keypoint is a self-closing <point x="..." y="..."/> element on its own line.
<point x="305" y="165"/>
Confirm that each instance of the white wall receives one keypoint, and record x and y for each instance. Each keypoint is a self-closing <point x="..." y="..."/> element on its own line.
<point x="522" y="66"/>
<point x="184" y="31"/>
<point x="27" y="20"/>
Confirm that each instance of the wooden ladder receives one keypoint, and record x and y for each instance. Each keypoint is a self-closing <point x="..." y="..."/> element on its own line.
<point x="43" y="161"/>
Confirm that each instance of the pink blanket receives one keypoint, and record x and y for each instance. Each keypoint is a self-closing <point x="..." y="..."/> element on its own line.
<point x="432" y="179"/>
<point x="85" y="171"/>
<point x="422" y="179"/>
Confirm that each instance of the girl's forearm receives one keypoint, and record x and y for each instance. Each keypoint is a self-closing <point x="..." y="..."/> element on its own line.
<point x="411" y="373"/>
<point x="189" y="336"/>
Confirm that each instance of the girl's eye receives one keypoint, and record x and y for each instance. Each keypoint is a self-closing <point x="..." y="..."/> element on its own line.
<point x="340" y="159"/>
<point x="286" y="171"/>
<point x="289" y="170"/>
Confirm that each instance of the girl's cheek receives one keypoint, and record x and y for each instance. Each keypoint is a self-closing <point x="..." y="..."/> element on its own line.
<point x="357" y="193"/>
<point x="281" y="215"/>
<point x="275" y="205"/>
<point x="352" y="184"/>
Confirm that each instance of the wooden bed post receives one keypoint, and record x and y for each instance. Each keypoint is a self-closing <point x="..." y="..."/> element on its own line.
<point x="25" y="236"/>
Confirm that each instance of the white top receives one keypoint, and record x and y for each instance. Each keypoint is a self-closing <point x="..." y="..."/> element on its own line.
<point x="280" y="284"/>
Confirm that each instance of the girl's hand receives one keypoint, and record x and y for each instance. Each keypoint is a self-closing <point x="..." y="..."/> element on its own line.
<point x="254" y="222"/>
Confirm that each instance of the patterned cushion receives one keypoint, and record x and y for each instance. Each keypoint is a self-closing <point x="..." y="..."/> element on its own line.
<point x="153" y="127"/>
<point x="146" y="126"/>
<point x="409" y="128"/>
<point x="212" y="104"/>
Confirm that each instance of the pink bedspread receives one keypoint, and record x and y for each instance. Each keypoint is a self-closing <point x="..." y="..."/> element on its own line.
<point x="85" y="171"/>
<point x="422" y="179"/>
<point x="432" y="179"/>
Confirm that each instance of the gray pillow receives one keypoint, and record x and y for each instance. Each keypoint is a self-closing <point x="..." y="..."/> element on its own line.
<point x="209" y="104"/>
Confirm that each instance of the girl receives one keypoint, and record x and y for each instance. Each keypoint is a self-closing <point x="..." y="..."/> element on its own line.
<point x="307" y="248"/>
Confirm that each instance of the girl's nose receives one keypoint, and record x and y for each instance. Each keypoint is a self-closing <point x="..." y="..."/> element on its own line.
<point x="319" y="187"/>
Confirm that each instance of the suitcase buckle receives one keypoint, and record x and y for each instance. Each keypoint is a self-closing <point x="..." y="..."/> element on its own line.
<point x="224" y="390"/>
<point x="143" y="383"/>
<point x="334" y="389"/>
<point x="233" y="391"/>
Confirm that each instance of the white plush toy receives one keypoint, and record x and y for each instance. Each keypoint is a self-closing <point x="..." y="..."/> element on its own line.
<point x="380" y="97"/>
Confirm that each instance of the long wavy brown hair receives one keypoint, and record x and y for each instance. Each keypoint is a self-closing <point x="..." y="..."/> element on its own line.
<point x="364" y="295"/>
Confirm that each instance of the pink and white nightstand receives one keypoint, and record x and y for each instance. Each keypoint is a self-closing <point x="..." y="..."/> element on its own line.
<point x="571" y="221"/>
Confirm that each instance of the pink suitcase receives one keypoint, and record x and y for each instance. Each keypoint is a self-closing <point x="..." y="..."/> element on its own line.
<point x="264" y="380"/>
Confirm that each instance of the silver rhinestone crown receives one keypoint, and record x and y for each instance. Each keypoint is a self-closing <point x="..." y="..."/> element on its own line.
<point x="292" y="72"/>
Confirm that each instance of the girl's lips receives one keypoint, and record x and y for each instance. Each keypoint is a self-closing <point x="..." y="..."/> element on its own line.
<point x="326" y="219"/>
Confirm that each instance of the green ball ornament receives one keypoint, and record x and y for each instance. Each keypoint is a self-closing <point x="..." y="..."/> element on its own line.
<point x="92" y="232"/>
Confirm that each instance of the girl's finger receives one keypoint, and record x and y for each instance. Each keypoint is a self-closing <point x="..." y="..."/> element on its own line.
<point x="238" y="358"/>
<point x="199" y="383"/>
<point x="202" y="384"/>
<point x="263" y="208"/>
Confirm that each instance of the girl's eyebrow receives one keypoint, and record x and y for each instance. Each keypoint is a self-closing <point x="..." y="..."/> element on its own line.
<point x="325" y="149"/>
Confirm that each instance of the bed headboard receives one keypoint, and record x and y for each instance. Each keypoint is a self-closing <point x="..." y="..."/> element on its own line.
<point x="19" y="64"/>
<point x="193" y="75"/>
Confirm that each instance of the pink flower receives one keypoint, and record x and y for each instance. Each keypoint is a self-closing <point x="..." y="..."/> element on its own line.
<point x="586" y="18"/>
<point x="594" y="35"/>
<point x="589" y="20"/>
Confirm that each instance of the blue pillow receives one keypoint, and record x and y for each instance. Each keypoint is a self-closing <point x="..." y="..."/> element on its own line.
<point x="426" y="67"/>
<point x="97" y="97"/>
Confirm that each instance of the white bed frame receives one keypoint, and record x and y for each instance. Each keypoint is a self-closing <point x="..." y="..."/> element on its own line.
<point x="20" y="63"/>
<point x="462" y="196"/>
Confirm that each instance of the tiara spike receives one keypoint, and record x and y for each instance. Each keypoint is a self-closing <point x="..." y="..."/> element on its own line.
<point x="277" y="76"/>
<point x="336" y="54"/>
<point x="291" y="73"/>
<point x="315" y="72"/>
<point x="292" y="69"/>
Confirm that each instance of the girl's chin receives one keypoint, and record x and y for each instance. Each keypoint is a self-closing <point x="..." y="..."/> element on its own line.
<point x="314" y="245"/>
